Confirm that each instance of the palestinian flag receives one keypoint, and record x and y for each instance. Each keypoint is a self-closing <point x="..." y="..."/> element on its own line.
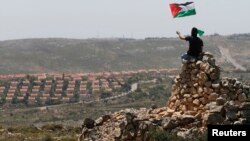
<point x="182" y="9"/>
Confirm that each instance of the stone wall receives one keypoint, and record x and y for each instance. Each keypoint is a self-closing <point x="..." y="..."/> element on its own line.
<point x="199" y="97"/>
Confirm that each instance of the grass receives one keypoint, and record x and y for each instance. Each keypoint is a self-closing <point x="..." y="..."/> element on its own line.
<point x="50" y="132"/>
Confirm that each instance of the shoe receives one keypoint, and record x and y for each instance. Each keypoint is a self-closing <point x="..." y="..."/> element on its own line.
<point x="192" y="60"/>
<point x="184" y="61"/>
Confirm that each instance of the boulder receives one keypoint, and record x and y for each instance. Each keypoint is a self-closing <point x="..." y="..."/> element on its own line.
<point x="89" y="123"/>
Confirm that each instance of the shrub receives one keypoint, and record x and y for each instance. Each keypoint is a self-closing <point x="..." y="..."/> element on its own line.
<point x="161" y="135"/>
<point x="47" y="138"/>
<point x="68" y="139"/>
<point x="52" y="127"/>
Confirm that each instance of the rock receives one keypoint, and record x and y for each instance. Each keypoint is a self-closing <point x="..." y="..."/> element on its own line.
<point x="143" y="126"/>
<point x="237" y="123"/>
<point x="192" y="90"/>
<point x="232" y="96"/>
<point x="240" y="121"/>
<point x="170" y="110"/>
<point x="233" y="81"/>
<point x="216" y="85"/>
<point x="190" y="113"/>
<point x="224" y="91"/>
<point x="204" y="66"/>
<point x="217" y="109"/>
<point x="176" y="114"/>
<point x="102" y="119"/>
<point x="225" y="96"/>
<point x="190" y="84"/>
<point x="122" y="125"/>
<point x="117" y="132"/>
<point x="177" y="103"/>
<point x="245" y="106"/>
<point x="231" y="106"/>
<point x="154" y="106"/>
<point x="186" y="119"/>
<point x="183" y="67"/>
<point x="208" y="84"/>
<point x="168" y="124"/>
<point x="186" y="95"/>
<point x="213" y="118"/>
<point x="196" y="102"/>
<point x="190" y="99"/>
<point x="246" y="89"/>
<point x="242" y="97"/>
<point x="198" y="63"/>
<point x="164" y="113"/>
<point x="89" y="123"/>
<point x="239" y="91"/>
<point x="200" y="90"/>
<point x="99" y="121"/>
<point x="203" y="100"/>
<point x="196" y="96"/>
<point x="225" y="83"/>
<point x="232" y="89"/>
<point x="213" y="96"/>
<point x="214" y="76"/>
<point x="194" y="71"/>
<point x="130" y="117"/>
<point x="183" y="134"/>
<point x="220" y="101"/>
<point x="231" y="115"/>
<point x="183" y="108"/>
<point x="196" y="84"/>
<point x="182" y="91"/>
<point x="245" y="113"/>
<point x="237" y="84"/>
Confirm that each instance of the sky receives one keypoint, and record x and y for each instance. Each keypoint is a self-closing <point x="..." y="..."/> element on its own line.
<point x="117" y="18"/>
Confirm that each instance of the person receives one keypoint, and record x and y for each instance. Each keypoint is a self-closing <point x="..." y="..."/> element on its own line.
<point x="195" y="46"/>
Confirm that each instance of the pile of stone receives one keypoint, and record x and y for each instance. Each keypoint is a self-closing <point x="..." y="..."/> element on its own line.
<point x="199" y="97"/>
<point x="199" y="91"/>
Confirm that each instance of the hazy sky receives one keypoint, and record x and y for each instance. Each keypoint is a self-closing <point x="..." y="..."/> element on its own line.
<point x="117" y="18"/>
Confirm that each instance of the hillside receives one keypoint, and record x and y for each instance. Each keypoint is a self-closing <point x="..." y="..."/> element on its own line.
<point x="70" y="55"/>
<point x="78" y="55"/>
<point x="199" y="98"/>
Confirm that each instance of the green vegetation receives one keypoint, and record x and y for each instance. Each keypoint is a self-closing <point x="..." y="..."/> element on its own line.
<point x="47" y="55"/>
<point x="160" y="135"/>
<point x="52" y="132"/>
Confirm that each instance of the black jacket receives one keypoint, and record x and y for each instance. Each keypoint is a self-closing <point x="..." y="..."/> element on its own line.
<point x="195" y="46"/>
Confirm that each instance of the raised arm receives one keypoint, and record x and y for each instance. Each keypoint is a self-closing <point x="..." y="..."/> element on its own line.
<point x="180" y="36"/>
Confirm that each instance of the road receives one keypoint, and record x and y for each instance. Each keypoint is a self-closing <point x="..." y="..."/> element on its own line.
<point x="226" y="55"/>
<point x="133" y="88"/>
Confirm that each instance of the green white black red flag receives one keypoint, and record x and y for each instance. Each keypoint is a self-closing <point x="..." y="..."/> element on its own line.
<point x="182" y="9"/>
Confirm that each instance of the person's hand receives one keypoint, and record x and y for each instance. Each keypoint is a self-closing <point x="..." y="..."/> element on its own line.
<point x="177" y="32"/>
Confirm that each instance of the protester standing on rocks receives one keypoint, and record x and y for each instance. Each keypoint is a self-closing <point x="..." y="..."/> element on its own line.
<point x="195" y="45"/>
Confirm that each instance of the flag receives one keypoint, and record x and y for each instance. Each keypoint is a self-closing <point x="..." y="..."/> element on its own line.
<point x="182" y="9"/>
<point x="200" y="32"/>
